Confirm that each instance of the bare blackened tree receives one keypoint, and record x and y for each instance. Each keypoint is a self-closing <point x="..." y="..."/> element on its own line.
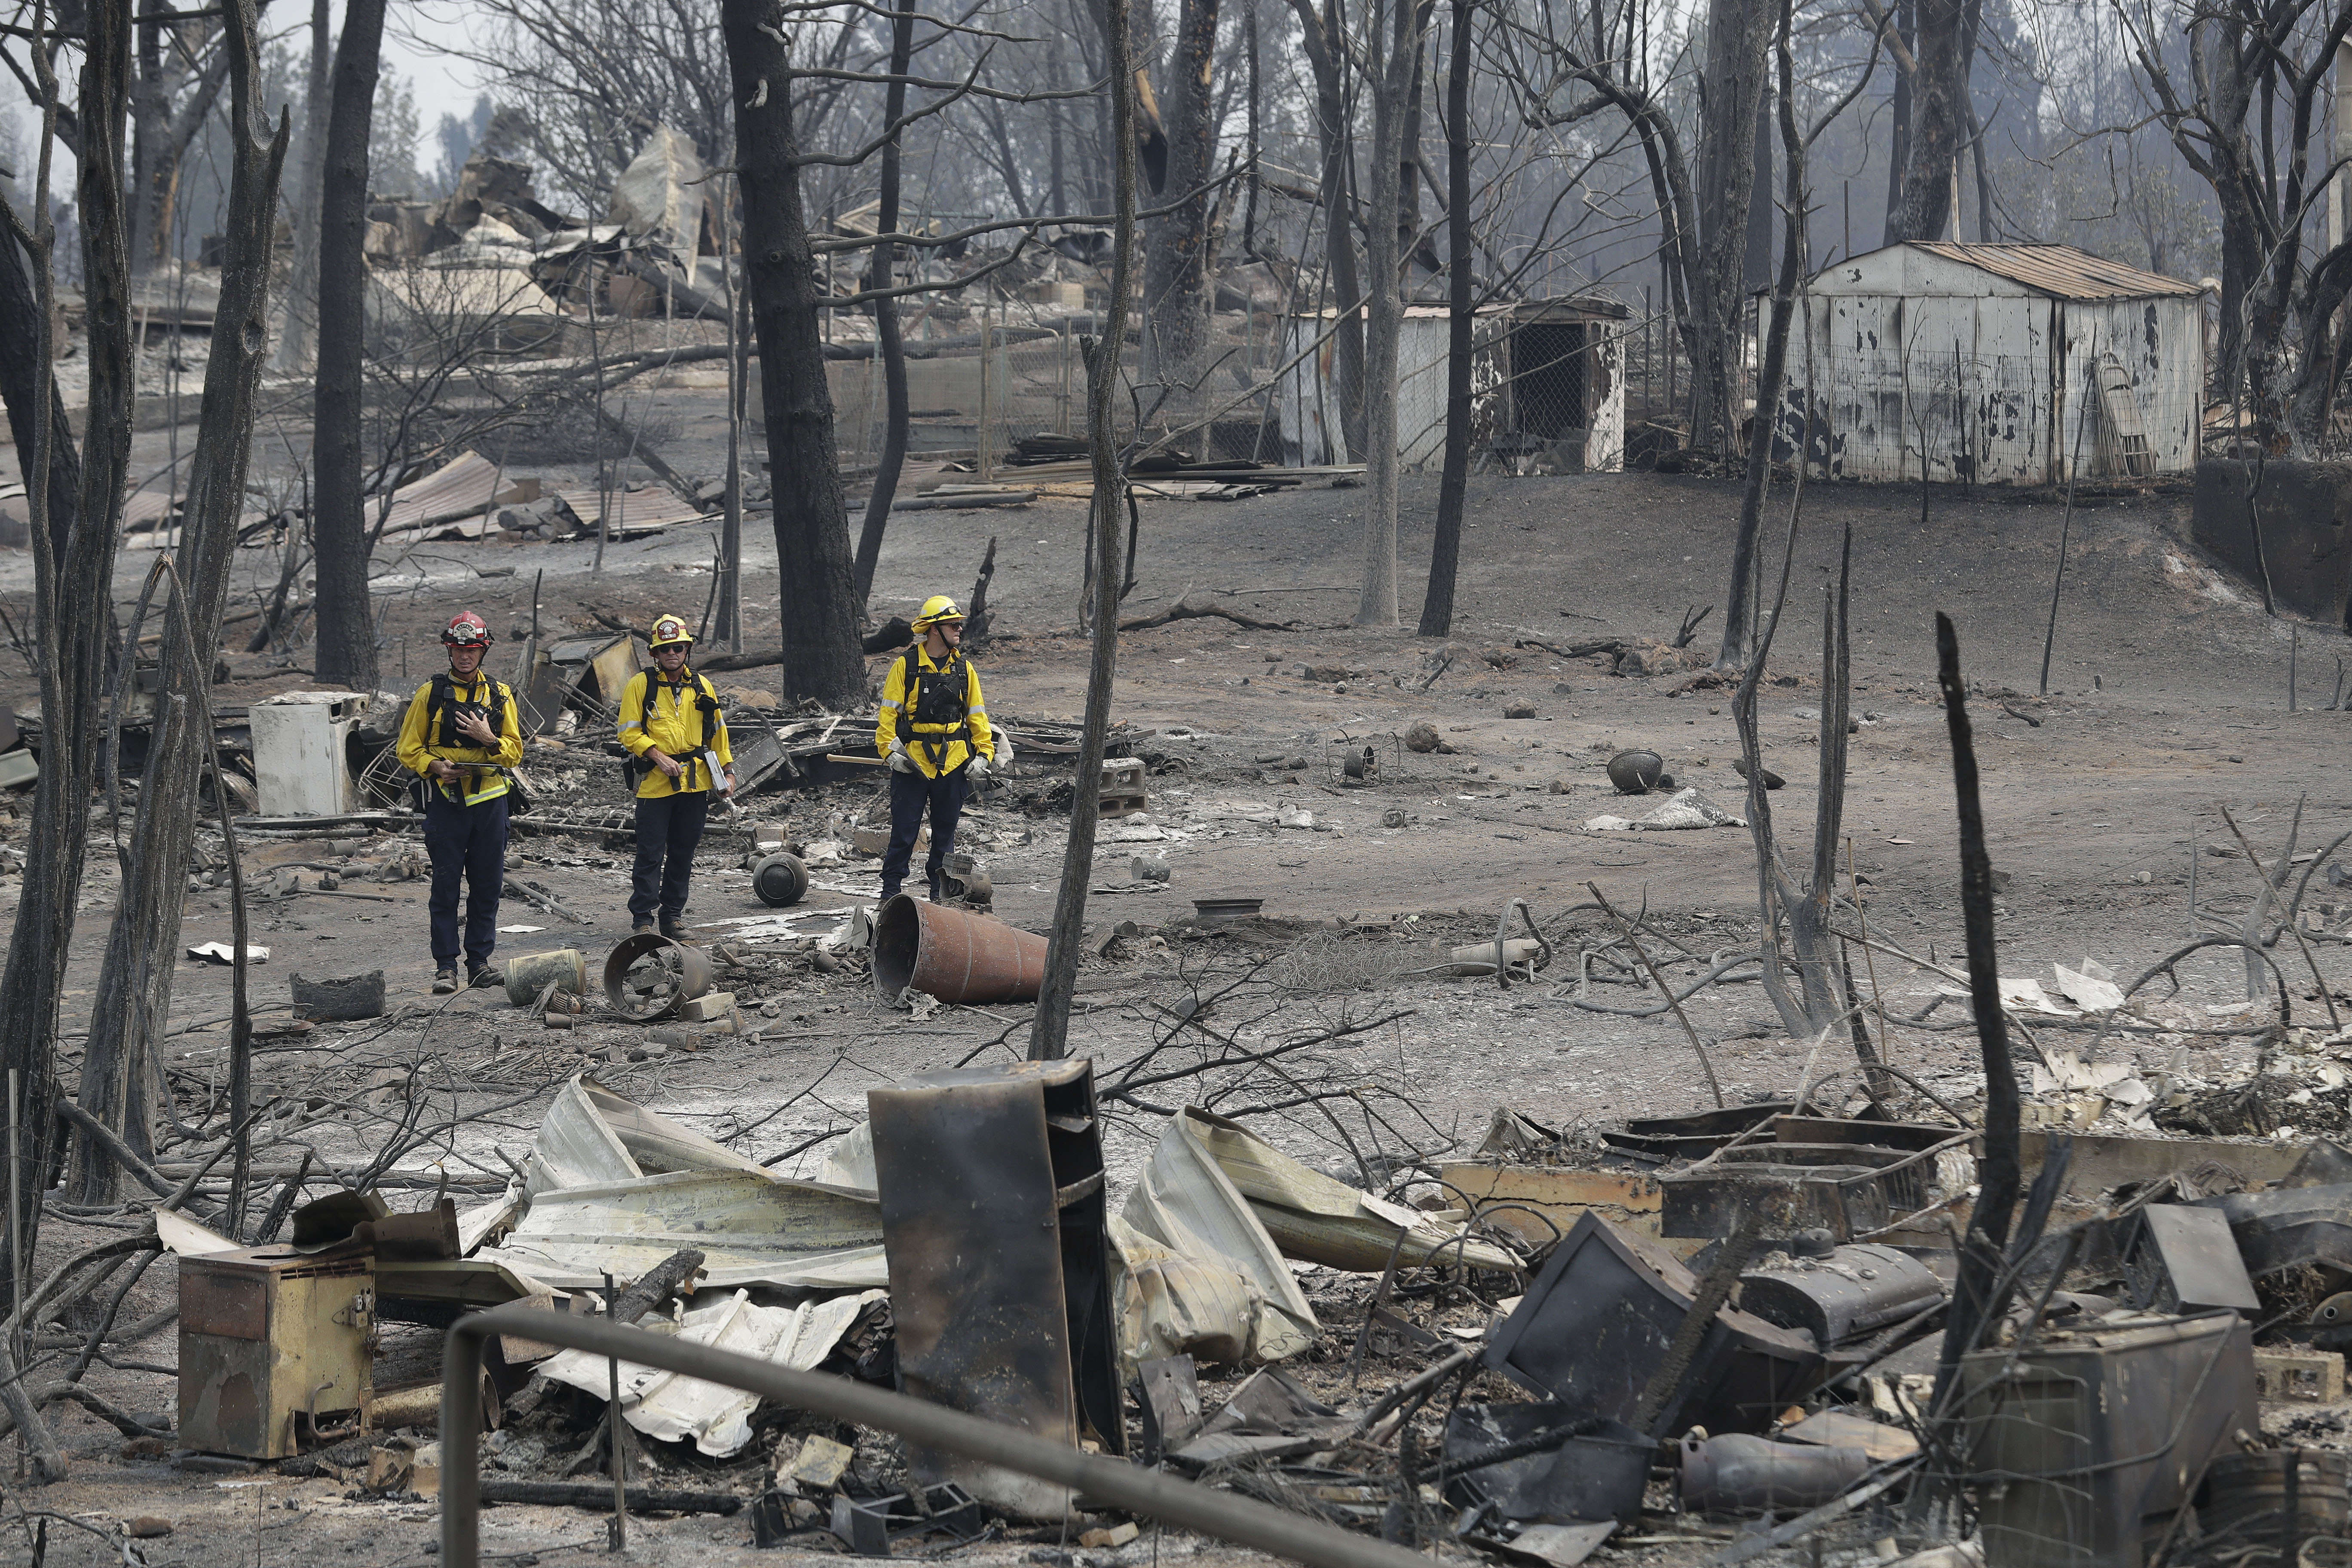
<point x="1938" y="78"/>
<point x="1050" y="1026"/>
<point x="880" y="279"/>
<point x="346" y="653"/>
<point x="1453" y="484"/>
<point x="298" y="345"/>
<point x="817" y="590"/>
<point x="1176" y="264"/>
<point x="134" y="988"/>
<point x="1323" y="35"/>
<point x="179" y="68"/>
<point x="1796" y="263"/>
<point x="73" y="561"/>
<point x="1582" y="64"/>
<point x="1390" y="63"/>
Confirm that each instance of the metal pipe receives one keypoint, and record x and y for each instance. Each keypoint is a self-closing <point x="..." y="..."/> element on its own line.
<point x="1229" y="1517"/>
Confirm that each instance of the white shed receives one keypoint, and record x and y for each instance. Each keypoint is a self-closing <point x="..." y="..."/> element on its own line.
<point x="1546" y="384"/>
<point x="1996" y="365"/>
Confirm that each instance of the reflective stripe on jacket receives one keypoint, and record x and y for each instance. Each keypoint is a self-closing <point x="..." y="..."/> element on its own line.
<point x="657" y="712"/>
<point x="896" y="701"/>
<point x="481" y="780"/>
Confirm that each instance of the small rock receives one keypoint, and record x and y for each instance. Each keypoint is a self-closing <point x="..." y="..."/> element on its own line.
<point x="1289" y="815"/>
<point x="1153" y="869"/>
<point x="1562" y="786"/>
<point x="1421" y="737"/>
<point x="148" y="1449"/>
<point x="2142" y="878"/>
<point x="146" y="1527"/>
<point x="2001" y="880"/>
<point x="1115" y="1536"/>
<point x="1521" y="709"/>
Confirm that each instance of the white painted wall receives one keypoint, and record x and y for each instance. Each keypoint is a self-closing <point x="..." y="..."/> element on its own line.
<point x="1992" y="385"/>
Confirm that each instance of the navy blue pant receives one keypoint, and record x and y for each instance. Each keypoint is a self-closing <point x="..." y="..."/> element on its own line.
<point x="668" y="828"/>
<point x="467" y="842"/>
<point x="910" y="795"/>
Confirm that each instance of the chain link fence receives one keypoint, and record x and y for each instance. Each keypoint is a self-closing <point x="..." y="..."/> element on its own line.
<point x="1020" y="390"/>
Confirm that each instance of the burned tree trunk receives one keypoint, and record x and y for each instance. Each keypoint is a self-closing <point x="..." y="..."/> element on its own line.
<point x="297" y="345"/>
<point x="881" y="276"/>
<point x="1454" y="485"/>
<point x="816" y="580"/>
<point x="1739" y="35"/>
<point x="134" y="988"/>
<point x="1049" y="1029"/>
<point x="72" y="571"/>
<point x="1176" y="267"/>
<point x="346" y="617"/>
<point x="1938" y="86"/>
<point x="1326" y="42"/>
<point x="27" y="383"/>
<point x="1391" y="82"/>
<point x="1738" y="628"/>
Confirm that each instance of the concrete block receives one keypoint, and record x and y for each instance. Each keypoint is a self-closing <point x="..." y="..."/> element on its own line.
<point x="2299" y="1377"/>
<point x="711" y="1008"/>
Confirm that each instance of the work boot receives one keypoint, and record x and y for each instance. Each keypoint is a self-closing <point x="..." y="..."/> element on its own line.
<point x="935" y="890"/>
<point x="482" y="976"/>
<point x="676" y="930"/>
<point x="445" y="984"/>
<point x="642" y="927"/>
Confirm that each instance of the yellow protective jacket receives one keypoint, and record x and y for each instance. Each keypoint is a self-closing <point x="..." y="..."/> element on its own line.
<point x="655" y="712"/>
<point x="428" y="734"/>
<point x="937" y="747"/>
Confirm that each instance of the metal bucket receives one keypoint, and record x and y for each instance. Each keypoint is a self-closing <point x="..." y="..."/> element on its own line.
<point x="956" y="955"/>
<point x="2245" y="1494"/>
<point x="689" y="966"/>
<point x="529" y="975"/>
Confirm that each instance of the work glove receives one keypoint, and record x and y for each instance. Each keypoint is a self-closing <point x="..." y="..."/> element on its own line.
<point x="900" y="763"/>
<point x="976" y="770"/>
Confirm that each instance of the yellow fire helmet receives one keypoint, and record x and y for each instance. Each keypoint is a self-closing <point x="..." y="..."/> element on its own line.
<point x="938" y="607"/>
<point x="668" y="630"/>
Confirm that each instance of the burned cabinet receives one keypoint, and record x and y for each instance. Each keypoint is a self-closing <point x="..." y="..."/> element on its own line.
<point x="996" y="1234"/>
<point x="2085" y="1444"/>
<point x="271" y="1339"/>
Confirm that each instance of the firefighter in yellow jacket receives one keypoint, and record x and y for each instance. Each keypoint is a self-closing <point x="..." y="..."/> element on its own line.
<point x="933" y="728"/>
<point x="671" y="723"/>
<point x="460" y="736"/>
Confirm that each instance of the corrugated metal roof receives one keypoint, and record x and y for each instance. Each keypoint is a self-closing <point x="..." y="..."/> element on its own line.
<point x="2059" y="270"/>
<point x="463" y="487"/>
<point x="647" y="511"/>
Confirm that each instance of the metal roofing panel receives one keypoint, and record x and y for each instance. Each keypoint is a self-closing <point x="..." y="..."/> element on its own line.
<point x="647" y="511"/>
<point x="463" y="487"/>
<point x="2061" y="271"/>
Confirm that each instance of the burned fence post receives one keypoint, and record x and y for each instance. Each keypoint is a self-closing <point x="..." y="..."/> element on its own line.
<point x="1997" y="1173"/>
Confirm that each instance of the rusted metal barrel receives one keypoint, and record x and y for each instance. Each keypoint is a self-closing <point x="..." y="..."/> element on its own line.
<point x="956" y="955"/>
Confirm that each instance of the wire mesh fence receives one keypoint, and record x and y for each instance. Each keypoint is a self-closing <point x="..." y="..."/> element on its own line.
<point x="1017" y="393"/>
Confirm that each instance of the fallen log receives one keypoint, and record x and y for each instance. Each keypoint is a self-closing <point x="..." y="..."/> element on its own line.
<point x="1186" y="610"/>
<point x="597" y="1497"/>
